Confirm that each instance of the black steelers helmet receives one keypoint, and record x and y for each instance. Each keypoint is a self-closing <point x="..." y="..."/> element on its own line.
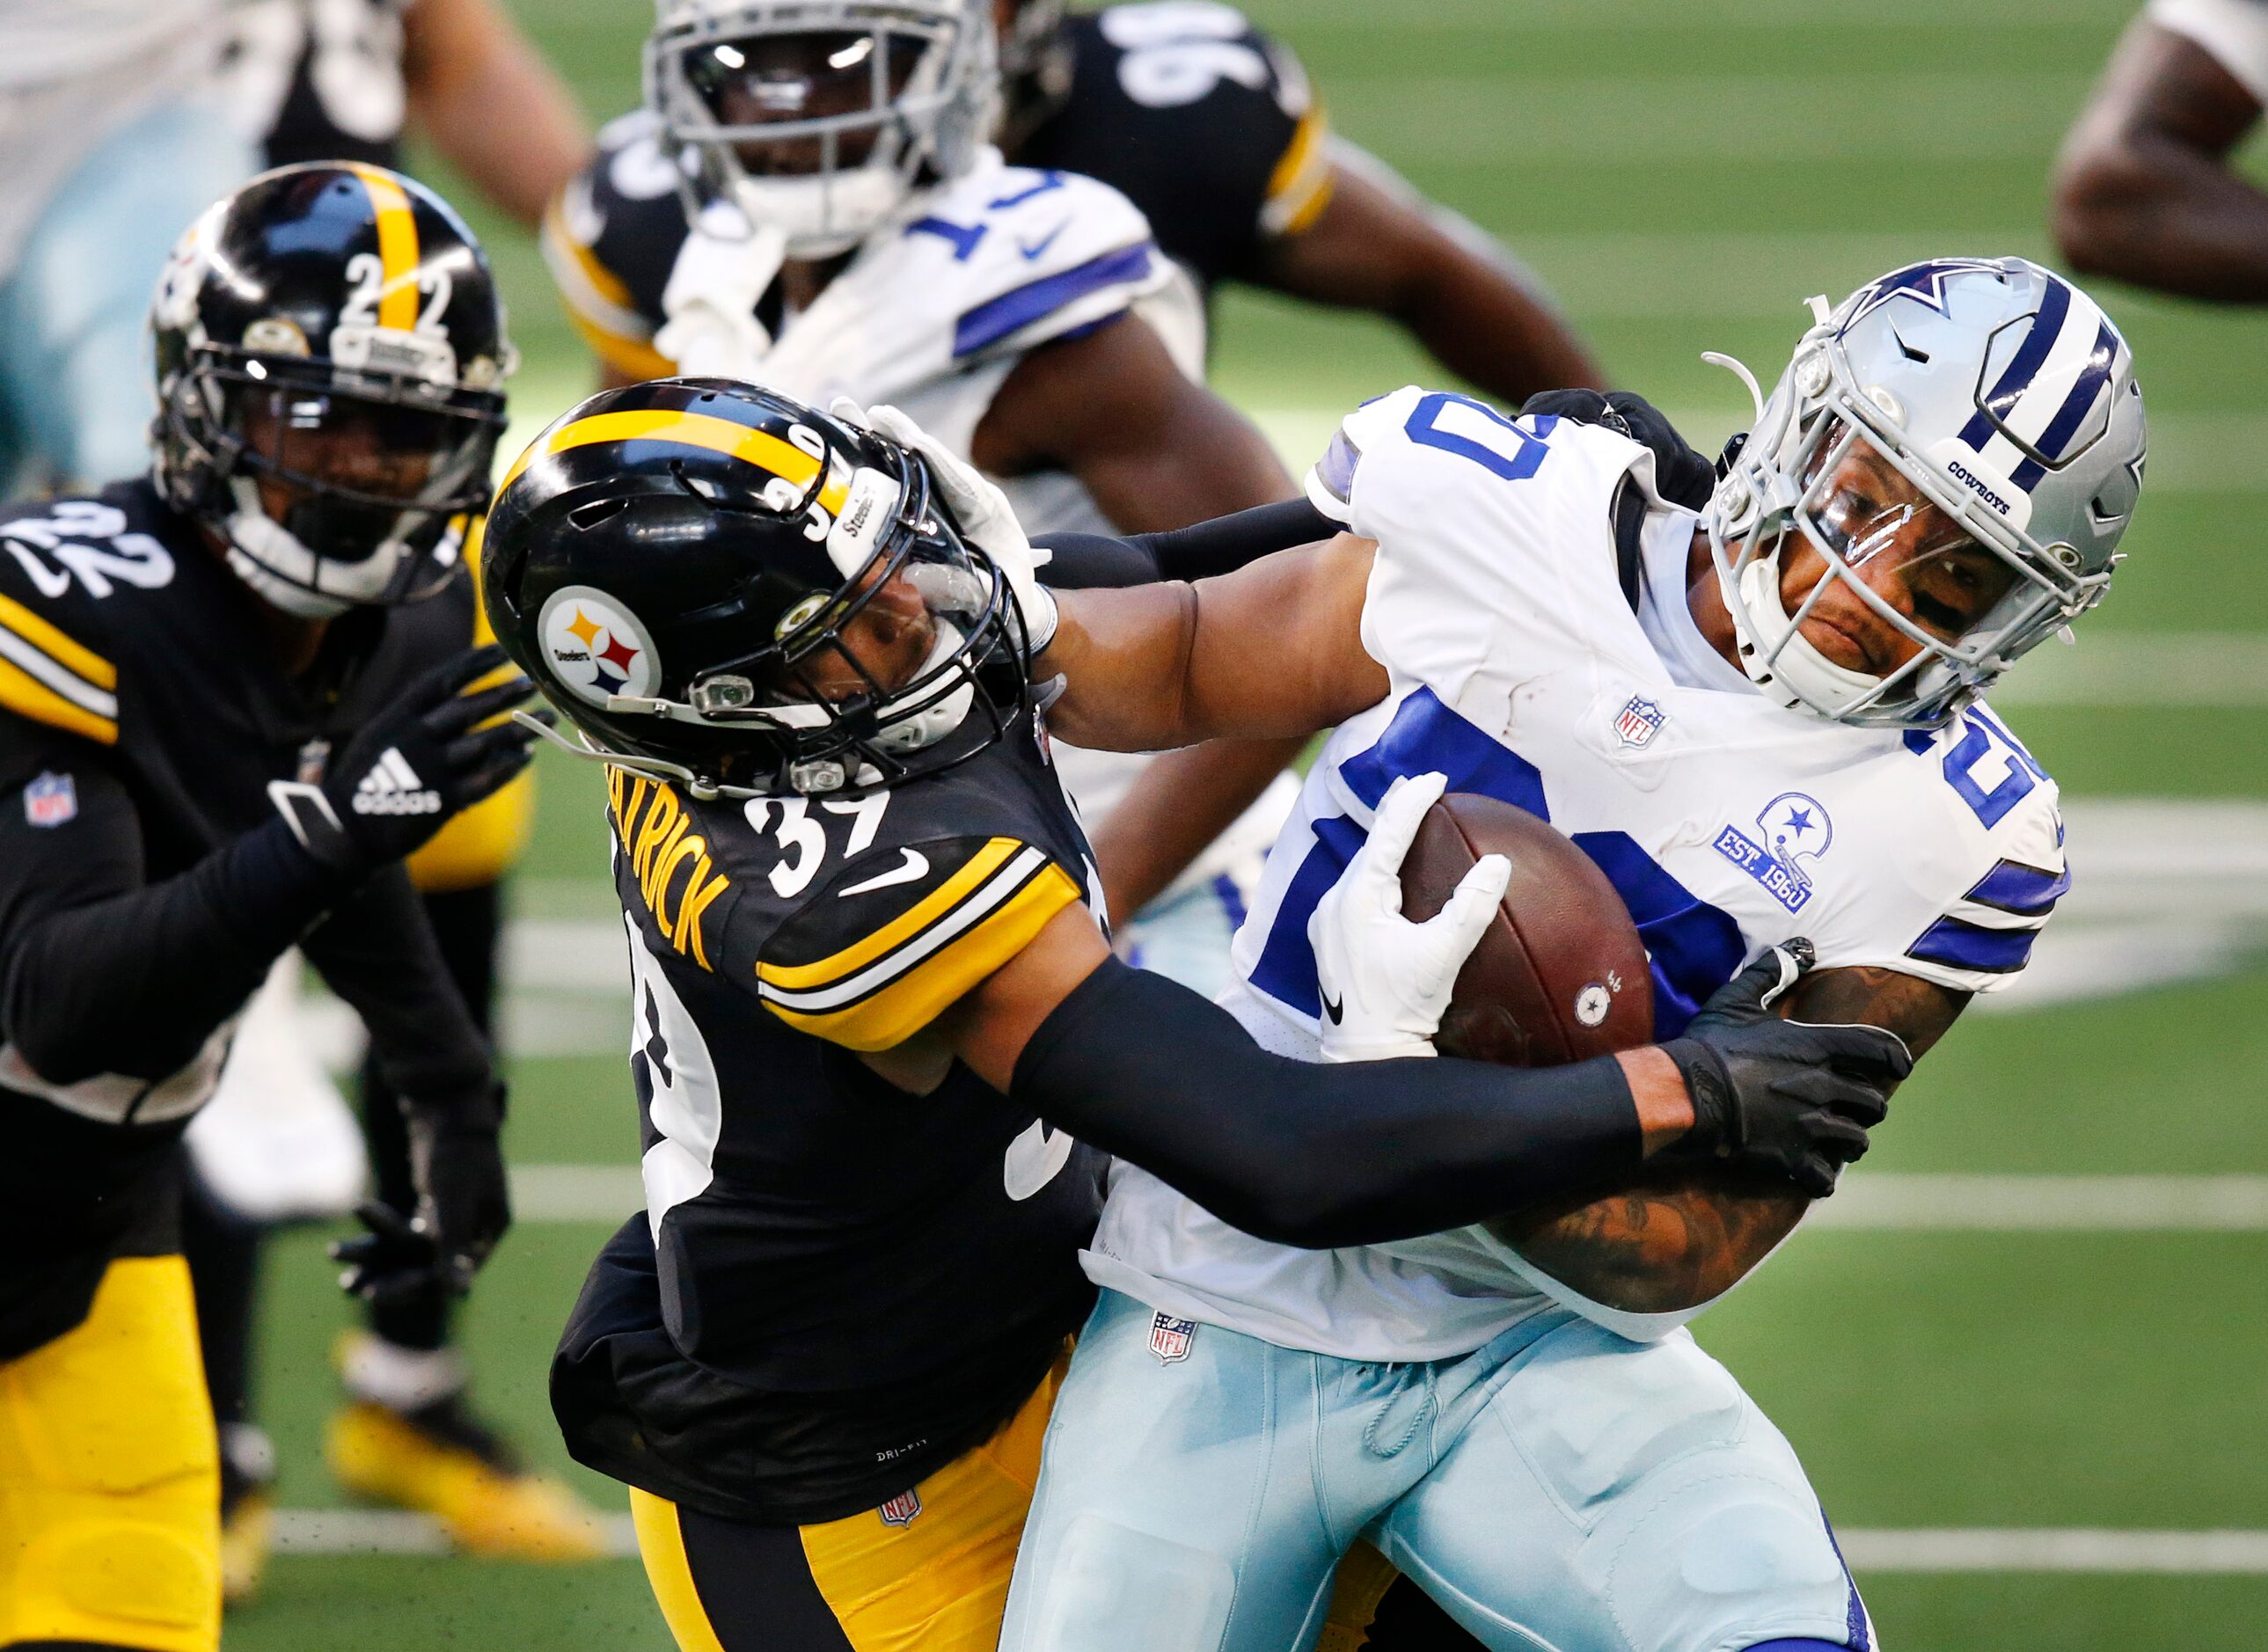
<point x="333" y="331"/>
<point x="722" y="586"/>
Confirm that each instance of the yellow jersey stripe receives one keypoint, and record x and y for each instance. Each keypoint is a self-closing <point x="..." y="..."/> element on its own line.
<point x="760" y="448"/>
<point x="80" y="661"/>
<point x="932" y="908"/>
<point x="397" y="248"/>
<point x="25" y="695"/>
<point x="909" y="1003"/>
<point x="598" y="304"/>
<point x="1300" y="187"/>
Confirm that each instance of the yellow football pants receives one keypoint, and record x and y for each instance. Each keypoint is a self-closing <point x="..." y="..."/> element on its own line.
<point x="110" y="1475"/>
<point x="927" y="1573"/>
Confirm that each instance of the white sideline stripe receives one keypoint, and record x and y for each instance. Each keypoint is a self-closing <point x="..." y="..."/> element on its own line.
<point x="2055" y="1549"/>
<point x="333" y="1531"/>
<point x="393" y="1531"/>
<point x="1888" y="1200"/>
<point x="1879" y="1201"/>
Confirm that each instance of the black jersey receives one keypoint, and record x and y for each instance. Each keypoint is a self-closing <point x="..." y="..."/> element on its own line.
<point x="320" y="79"/>
<point x="1203" y="121"/>
<point x="143" y="712"/>
<point x="843" y="1283"/>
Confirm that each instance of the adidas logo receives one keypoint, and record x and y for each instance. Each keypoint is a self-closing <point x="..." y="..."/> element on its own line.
<point x="393" y="788"/>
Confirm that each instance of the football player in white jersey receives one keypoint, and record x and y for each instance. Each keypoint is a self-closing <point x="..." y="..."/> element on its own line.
<point x="1763" y="721"/>
<point x="814" y="206"/>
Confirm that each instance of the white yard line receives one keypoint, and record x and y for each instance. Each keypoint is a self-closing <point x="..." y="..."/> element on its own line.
<point x="1928" y="1549"/>
<point x="1878" y="1201"/>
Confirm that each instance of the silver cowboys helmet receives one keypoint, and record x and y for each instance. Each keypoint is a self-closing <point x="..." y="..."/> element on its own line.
<point x="1978" y="418"/>
<point x="818" y="118"/>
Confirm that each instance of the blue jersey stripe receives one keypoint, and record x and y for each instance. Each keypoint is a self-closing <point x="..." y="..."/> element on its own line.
<point x="2026" y="891"/>
<point x="1963" y="945"/>
<point x="996" y="319"/>
<point x="2017" y="376"/>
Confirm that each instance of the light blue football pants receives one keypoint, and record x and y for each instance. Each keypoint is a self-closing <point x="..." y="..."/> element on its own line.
<point x="76" y="396"/>
<point x="1558" y="1490"/>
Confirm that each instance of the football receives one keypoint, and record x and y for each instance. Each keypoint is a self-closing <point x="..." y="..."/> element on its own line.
<point x="1561" y="975"/>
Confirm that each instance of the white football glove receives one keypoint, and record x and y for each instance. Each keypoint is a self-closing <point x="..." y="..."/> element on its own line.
<point x="1385" y="980"/>
<point x="712" y="331"/>
<point x="988" y="521"/>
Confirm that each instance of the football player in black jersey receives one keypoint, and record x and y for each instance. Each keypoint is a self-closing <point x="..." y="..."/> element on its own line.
<point x="875" y="1004"/>
<point x="222" y="730"/>
<point x="316" y="80"/>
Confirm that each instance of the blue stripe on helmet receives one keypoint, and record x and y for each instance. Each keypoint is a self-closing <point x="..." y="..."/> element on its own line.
<point x="2026" y="891"/>
<point x="1995" y="408"/>
<point x="1963" y="945"/>
<point x="2092" y="377"/>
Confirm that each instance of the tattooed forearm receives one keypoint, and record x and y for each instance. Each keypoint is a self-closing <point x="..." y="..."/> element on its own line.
<point x="1917" y="1011"/>
<point x="1666" y="1242"/>
<point x="1673" y="1240"/>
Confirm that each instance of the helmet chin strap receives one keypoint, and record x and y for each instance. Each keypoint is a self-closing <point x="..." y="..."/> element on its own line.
<point x="1787" y="667"/>
<point x="825" y="214"/>
<point x="281" y="570"/>
<point x="931" y="724"/>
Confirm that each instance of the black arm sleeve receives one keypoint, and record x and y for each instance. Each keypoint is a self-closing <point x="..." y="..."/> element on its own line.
<point x="1308" y="1153"/>
<point x="1201" y="551"/>
<point x="376" y="950"/>
<point x="102" y="973"/>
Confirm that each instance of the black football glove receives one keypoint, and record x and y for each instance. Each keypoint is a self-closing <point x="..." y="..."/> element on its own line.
<point x="463" y="1208"/>
<point x="1681" y="475"/>
<point x="1786" y="1096"/>
<point x="413" y="766"/>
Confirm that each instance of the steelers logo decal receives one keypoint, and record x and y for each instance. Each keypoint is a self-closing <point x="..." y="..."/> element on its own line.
<point x="596" y="647"/>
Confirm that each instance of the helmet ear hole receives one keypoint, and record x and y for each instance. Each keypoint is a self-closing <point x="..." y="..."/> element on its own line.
<point x="585" y="517"/>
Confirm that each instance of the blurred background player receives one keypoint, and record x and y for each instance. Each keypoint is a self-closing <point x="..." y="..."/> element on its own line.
<point x="110" y="140"/>
<point x="2147" y="188"/>
<point x="220" y="733"/>
<point x="310" y="80"/>
<point x="1210" y="127"/>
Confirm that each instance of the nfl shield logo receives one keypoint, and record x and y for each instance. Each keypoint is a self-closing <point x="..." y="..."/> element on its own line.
<point x="50" y="800"/>
<point x="1170" y="1338"/>
<point x="901" y="1509"/>
<point x="1638" y="720"/>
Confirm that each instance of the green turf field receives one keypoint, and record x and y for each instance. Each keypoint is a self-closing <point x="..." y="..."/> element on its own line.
<point x="1685" y="175"/>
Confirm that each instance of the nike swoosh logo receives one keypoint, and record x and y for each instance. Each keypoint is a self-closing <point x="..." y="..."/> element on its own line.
<point x="1032" y="250"/>
<point x="914" y="865"/>
<point x="1334" y="1008"/>
<point x="1033" y="1158"/>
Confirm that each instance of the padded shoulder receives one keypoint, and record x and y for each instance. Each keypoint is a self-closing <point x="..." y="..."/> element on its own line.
<point x="611" y="238"/>
<point x="880" y="949"/>
<point x="72" y="574"/>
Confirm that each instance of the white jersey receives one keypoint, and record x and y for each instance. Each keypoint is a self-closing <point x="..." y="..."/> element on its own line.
<point x="2235" y="33"/>
<point x="931" y="315"/>
<point x="1518" y="669"/>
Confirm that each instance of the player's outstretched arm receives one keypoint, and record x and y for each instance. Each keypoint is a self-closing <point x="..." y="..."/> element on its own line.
<point x="2144" y="189"/>
<point x="1273" y="650"/>
<point x="1331" y="1155"/>
<point x="483" y="93"/>
<point x="1380" y="246"/>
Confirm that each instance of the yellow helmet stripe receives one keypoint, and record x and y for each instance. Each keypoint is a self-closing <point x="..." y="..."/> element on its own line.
<point x="397" y="248"/>
<point x="759" y="448"/>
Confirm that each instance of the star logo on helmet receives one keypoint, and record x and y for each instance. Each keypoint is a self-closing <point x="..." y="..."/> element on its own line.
<point x="585" y="630"/>
<point x="1925" y="282"/>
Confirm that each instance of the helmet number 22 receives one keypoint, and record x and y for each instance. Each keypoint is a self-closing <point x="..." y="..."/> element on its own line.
<point x="367" y="287"/>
